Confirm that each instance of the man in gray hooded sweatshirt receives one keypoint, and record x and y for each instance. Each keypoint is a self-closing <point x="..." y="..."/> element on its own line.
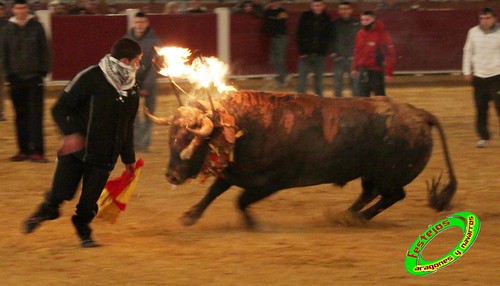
<point x="143" y="34"/>
<point x="25" y="58"/>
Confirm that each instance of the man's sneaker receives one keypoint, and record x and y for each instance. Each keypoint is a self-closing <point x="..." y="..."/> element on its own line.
<point x="84" y="233"/>
<point x="482" y="143"/>
<point x="19" y="157"/>
<point x="44" y="212"/>
<point x="38" y="158"/>
<point x="88" y="243"/>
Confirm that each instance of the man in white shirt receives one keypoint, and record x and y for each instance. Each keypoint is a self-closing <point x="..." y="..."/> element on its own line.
<point x="481" y="67"/>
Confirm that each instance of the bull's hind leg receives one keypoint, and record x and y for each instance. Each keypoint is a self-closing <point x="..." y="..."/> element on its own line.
<point x="367" y="195"/>
<point x="216" y="189"/>
<point x="389" y="197"/>
<point x="248" y="197"/>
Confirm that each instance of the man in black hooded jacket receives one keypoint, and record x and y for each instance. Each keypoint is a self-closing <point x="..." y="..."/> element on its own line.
<point x="96" y="114"/>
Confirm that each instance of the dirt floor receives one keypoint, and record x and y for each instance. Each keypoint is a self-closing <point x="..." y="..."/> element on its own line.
<point x="295" y="243"/>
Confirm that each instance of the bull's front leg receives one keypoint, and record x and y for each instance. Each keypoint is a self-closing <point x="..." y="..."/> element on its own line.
<point x="195" y="212"/>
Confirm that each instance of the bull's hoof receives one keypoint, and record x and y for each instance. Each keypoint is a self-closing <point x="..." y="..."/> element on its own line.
<point x="188" y="219"/>
<point x="249" y="221"/>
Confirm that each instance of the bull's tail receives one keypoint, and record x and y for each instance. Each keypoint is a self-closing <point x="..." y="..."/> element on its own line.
<point x="440" y="200"/>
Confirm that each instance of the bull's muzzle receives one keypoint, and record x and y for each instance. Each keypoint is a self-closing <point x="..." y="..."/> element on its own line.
<point x="174" y="177"/>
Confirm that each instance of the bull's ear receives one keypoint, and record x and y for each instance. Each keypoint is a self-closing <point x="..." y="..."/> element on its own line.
<point x="158" y="120"/>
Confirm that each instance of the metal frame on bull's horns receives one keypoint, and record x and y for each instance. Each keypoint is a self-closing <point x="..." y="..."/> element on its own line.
<point x="158" y="67"/>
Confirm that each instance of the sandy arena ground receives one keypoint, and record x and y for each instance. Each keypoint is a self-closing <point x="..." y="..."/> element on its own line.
<point x="296" y="242"/>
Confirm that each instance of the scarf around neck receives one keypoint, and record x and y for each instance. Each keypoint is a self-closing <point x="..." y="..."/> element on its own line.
<point x="121" y="76"/>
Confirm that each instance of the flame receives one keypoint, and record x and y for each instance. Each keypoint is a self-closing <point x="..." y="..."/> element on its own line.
<point x="201" y="72"/>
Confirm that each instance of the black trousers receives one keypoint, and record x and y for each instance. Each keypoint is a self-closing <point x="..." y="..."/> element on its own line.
<point x="485" y="90"/>
<point x="69" y="172"/>
<point x="371" y="81"/>
<point x="27" y="97"/>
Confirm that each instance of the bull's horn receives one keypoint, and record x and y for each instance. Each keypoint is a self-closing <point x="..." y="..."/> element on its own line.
<point x="207" y="126"/>
<point x="158" y="120"/>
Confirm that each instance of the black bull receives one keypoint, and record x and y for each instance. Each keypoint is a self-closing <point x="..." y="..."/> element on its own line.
<point x="299" y="140"/>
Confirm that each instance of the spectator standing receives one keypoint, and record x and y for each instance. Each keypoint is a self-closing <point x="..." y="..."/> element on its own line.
<point x="374" y="56"/>
<point x="275" y="25"/>
<point x="344" y="31"/>
<point x="313" y="36"/>
<point x="96" y="114"/>
<point x="25" y="56"/>
<point x="388" y="5"/>
<point x="481" y="67"/>
<point x="3" y="22"/>
<point x="171" y="7"/>
<point x="250" y="7"/>
<point x="146" y="77"/>
<point x="196" y="7"/>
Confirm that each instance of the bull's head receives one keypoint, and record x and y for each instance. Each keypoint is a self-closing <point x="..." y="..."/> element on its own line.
<point x="190" y="126"/>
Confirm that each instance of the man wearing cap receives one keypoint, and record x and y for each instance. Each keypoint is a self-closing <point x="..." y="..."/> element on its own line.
<point x="24" y="53"/>
<point x="481" y="67"/>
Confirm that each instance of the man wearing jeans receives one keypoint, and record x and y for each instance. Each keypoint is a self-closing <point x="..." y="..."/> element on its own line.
<point x="344" y="31"/>
<point x="275" y="25"/>
<point x="313" y="35"/>
<point x="481" y="67"/>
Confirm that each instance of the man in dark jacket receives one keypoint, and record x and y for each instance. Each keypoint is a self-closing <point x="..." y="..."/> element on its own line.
<point x="25" y="57"/>
<point x="344" y="31"/>
<point x="146" y="76"/>
<point x="96" y="114"/>
<point x="313" y="36"/>
<point x="275" y="25"/>
<point x="3" y="21"/>
<point x="374" y="56"/>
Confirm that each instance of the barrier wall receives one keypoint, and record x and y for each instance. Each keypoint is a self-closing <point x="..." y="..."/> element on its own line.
<point x="426" y="41"/>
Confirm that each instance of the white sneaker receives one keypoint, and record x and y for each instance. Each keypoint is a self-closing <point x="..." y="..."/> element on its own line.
<point x="482" y="143"/>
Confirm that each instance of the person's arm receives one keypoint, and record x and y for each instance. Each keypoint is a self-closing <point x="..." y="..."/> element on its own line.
<point x="390" y="55"/>
<point x="355" y="60"/>
<point x="66" y="110"/>
<point x="65" y="114"/>
<point x="127" y="153"/>
<point x="467" y="58"/>
<point x="300" y="34"/>
<point x="44" y="51"/>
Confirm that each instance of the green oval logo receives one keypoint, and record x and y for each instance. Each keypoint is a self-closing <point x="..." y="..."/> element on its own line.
<point x="466" y="221"/>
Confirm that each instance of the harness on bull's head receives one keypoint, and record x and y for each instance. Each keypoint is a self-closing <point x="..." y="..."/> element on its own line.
<point x="216" y="125"/>
<point x="195" y="114"/>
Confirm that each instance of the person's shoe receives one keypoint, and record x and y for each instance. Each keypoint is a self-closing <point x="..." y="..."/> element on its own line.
<point x="44" y="212"/>
<point x="287" y="80"/>
<point x="19" y="157"/>
<point x="38" y="158"/>
<point x="84" y="233"/>
<point x="482" y="143"/>
<point x="88" y="243"/>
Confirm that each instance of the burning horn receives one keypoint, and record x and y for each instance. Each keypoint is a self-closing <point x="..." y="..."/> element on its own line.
<point x="207" y="126"/>
<point x="158" y="120"/>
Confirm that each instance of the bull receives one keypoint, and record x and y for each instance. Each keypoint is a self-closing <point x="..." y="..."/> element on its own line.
<point x="266" y="142"/>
